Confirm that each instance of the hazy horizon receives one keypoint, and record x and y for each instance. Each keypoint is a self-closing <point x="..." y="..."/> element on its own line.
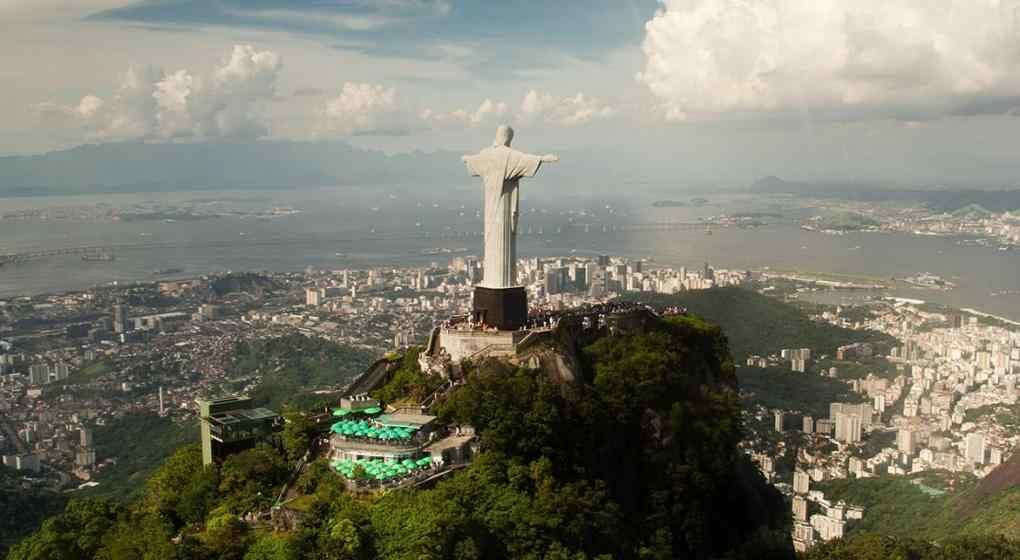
<point x="712" y="91"/>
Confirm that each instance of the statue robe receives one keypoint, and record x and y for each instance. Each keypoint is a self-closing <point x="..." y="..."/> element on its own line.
<point x="500" y="168"/>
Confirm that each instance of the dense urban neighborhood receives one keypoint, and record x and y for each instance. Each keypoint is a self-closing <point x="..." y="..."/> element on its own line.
<point x="914" y="388"/>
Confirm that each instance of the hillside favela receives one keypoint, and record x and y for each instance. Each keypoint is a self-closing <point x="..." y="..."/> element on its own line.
<point x="430" y="279"/>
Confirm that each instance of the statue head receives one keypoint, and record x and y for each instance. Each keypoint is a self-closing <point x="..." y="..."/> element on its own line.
<point x="504" y="135"/>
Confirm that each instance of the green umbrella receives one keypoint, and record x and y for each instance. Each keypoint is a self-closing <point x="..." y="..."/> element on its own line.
<point x="372" y="410"/>
<point x="341" y="412"/>
<point x="424" y="461"/>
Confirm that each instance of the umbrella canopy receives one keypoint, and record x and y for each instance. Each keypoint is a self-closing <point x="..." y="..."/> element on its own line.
<point x="341" y="412"/>
<point x="372" y="410"/>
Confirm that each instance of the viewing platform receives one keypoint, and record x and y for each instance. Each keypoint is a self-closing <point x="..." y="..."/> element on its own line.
<point x="460" y="338"/>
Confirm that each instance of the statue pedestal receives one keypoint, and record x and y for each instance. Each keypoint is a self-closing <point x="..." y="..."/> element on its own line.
<point x="503" y="308"/>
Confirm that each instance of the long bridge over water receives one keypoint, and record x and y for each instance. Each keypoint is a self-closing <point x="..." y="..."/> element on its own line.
<point x="89" y="253"/>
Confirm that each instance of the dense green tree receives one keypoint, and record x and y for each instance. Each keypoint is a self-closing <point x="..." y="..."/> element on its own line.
<point x="978" y="547"/>
<point x="341" y="540"/>
<point x="74" y="534"/>
<point x="183" y="490"/>
<point x="520" y="414"/>
<point x="297" y="434"/>
<point x="250" y="478"/>
<point x="271" y="547"/>
<point x="23" y="508"/>
<point x="315" y="473"/>
<point x="138" y="537"/>
<point x="496" y="509"/>
<point x="870" y="546"/>
<point x="408" y="382"/>
<point x="226" y="536"/>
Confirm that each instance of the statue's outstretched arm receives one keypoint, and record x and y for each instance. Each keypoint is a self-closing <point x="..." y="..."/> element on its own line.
<point x="549" y="158"/>
<point x="470" y="168"/>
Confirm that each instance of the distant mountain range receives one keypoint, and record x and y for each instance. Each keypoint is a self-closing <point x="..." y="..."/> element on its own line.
<point x="164" y="167"/>
<point x="160" y="167"/>
<point x="938" y="199"/>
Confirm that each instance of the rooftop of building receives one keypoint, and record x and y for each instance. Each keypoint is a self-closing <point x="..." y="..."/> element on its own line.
<point x="250" y="415"/>
<point x="405" y="419"/>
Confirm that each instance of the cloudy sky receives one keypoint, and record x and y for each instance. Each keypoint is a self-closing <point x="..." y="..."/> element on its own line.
<point x="895" y="90"/>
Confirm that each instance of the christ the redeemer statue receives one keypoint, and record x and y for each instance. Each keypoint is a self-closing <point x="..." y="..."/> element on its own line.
<point x="501" y="167"/>
<point x="498" y="301"/>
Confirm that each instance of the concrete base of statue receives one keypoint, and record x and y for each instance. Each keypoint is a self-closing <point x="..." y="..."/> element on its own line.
<point x="458" y="345"/>
<point x="503" y="308"/>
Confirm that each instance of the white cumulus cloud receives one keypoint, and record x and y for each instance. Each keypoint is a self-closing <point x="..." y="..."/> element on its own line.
<point x="89" y="105"/>
<point x="566" y="111"/>
<point x="868" y="58"/>
<point x="488" y="111"/>
<point x="363" y="108"/>
<point x="153" y="104"/>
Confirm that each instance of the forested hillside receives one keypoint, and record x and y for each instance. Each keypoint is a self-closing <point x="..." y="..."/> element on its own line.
<point x="936" y="506"/>
<point x="636" y="457"/>
<point x="23" y="507"/>
<point x="757" y="324"/>
<point x="291" y="365"/>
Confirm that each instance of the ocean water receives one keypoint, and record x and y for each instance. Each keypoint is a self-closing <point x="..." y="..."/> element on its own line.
<point x="405" y="225"/>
